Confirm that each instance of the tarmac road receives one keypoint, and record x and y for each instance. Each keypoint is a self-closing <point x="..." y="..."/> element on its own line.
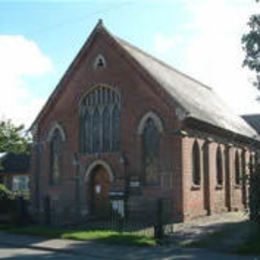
<point x="14" y="253"/>
<point x="10" y="253"/>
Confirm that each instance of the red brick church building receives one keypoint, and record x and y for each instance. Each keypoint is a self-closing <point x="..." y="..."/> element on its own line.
<point x="124" y="127"/>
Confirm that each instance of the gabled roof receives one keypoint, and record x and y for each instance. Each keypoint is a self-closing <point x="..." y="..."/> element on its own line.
<point x="198" y="100"/>
<point x="254" y="121"/>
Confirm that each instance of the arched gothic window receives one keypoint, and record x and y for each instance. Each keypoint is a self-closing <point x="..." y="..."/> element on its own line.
<point x="237" y="168"/>
<point x="100" y="121"/>
<point x="87" y="129"/>
<point x="219" y="166"/>
<point x="55" y="157"/>
<point x="196" y="164"/>
<point x="106" y="130"/>
<point x="116" y="130"/>
<point x="151" y="152"/>
<point x="96" y="129"/>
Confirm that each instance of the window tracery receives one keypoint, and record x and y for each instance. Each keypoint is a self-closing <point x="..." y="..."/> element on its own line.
<point x="100" y="121"/>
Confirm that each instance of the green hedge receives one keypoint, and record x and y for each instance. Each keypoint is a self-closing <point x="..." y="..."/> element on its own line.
<point x="5" y="194"/>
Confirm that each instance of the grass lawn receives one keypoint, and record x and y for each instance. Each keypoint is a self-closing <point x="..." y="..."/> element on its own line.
<point x="105" y="236"/>
<point x="241" y="238"/>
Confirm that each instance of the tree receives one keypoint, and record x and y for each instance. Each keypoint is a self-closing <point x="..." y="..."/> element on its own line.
<point x="251" y="46"/>
<point x="254" y="199"/>
<point x="13" y="138"/>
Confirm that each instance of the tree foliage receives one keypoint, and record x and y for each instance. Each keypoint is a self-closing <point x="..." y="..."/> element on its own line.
<point x="4" y="192"/>
<point x="13" y="138"/>
<point x="251" y="46"/>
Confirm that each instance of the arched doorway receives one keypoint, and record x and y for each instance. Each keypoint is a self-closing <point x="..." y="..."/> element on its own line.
<point x="99" y="191"/>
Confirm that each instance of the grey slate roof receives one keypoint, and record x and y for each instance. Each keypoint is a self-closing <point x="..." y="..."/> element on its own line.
<point x="254" y="121"/>
<point x="198" y="100"/>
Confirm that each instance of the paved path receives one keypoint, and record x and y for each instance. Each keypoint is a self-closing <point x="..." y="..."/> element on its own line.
<point x="93" y="251"/>
<point x="208" y="224"/>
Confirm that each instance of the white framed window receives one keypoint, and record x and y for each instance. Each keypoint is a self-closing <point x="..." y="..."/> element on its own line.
<point x="20" y="183"/>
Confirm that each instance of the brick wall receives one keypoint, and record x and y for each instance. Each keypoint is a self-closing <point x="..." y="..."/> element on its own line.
<point x="211" y="198"/>
<point x="139" y="96"/>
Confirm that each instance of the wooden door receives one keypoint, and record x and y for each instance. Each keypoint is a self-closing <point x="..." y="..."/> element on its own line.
<point x="100" y="191"/>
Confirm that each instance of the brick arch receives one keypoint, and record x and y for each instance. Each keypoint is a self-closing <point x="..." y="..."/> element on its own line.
<point x="157" y="120"/>
<point x="52" y="130"/>
<point x="96" y="163"/>
<point x="97" y="86"/>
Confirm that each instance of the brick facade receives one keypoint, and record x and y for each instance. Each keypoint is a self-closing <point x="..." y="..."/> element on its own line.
<point x="140" y="95"/>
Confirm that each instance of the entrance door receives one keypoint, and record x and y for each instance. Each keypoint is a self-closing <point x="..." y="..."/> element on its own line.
<point x="100" y="185"/>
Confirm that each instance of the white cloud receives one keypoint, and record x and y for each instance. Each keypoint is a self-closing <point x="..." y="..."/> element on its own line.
<point x="164" y="43"/>
<point x="20" y="58"/>
<point x="214" y="55"/>
<point x="210" y="49"/>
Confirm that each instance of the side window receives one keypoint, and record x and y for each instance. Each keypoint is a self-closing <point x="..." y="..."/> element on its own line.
<point x="237" y="168"/>
<point x="196" y="164"/>
<point x="55" y="157"/>
<point x="151" y="152"/>
<point x="219" y="167"/>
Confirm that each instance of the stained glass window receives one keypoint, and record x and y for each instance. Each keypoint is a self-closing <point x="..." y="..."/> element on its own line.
<point x="55" y="157"/>
<point x="100" y="130"/>
<point x="116" y="128"/>
<point x="87" y="132"/>
<point x="151" y="145"/>
<point x="106" y="130"/>
<point x="96" y="131"/>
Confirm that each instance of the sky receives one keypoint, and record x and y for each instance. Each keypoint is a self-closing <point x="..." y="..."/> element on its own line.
<point x="202" y="38"/>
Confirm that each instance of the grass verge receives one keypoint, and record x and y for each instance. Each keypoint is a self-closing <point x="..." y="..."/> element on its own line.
<point x="104" y="236"/>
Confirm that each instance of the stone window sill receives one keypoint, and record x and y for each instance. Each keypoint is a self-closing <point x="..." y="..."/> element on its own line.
<point x="219" y="187"/>
<point x="237" y="186"/>
<point x="195" y="187"/>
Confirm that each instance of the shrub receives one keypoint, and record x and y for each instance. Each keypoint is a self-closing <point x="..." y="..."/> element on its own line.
<point x="5" y="194"/>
